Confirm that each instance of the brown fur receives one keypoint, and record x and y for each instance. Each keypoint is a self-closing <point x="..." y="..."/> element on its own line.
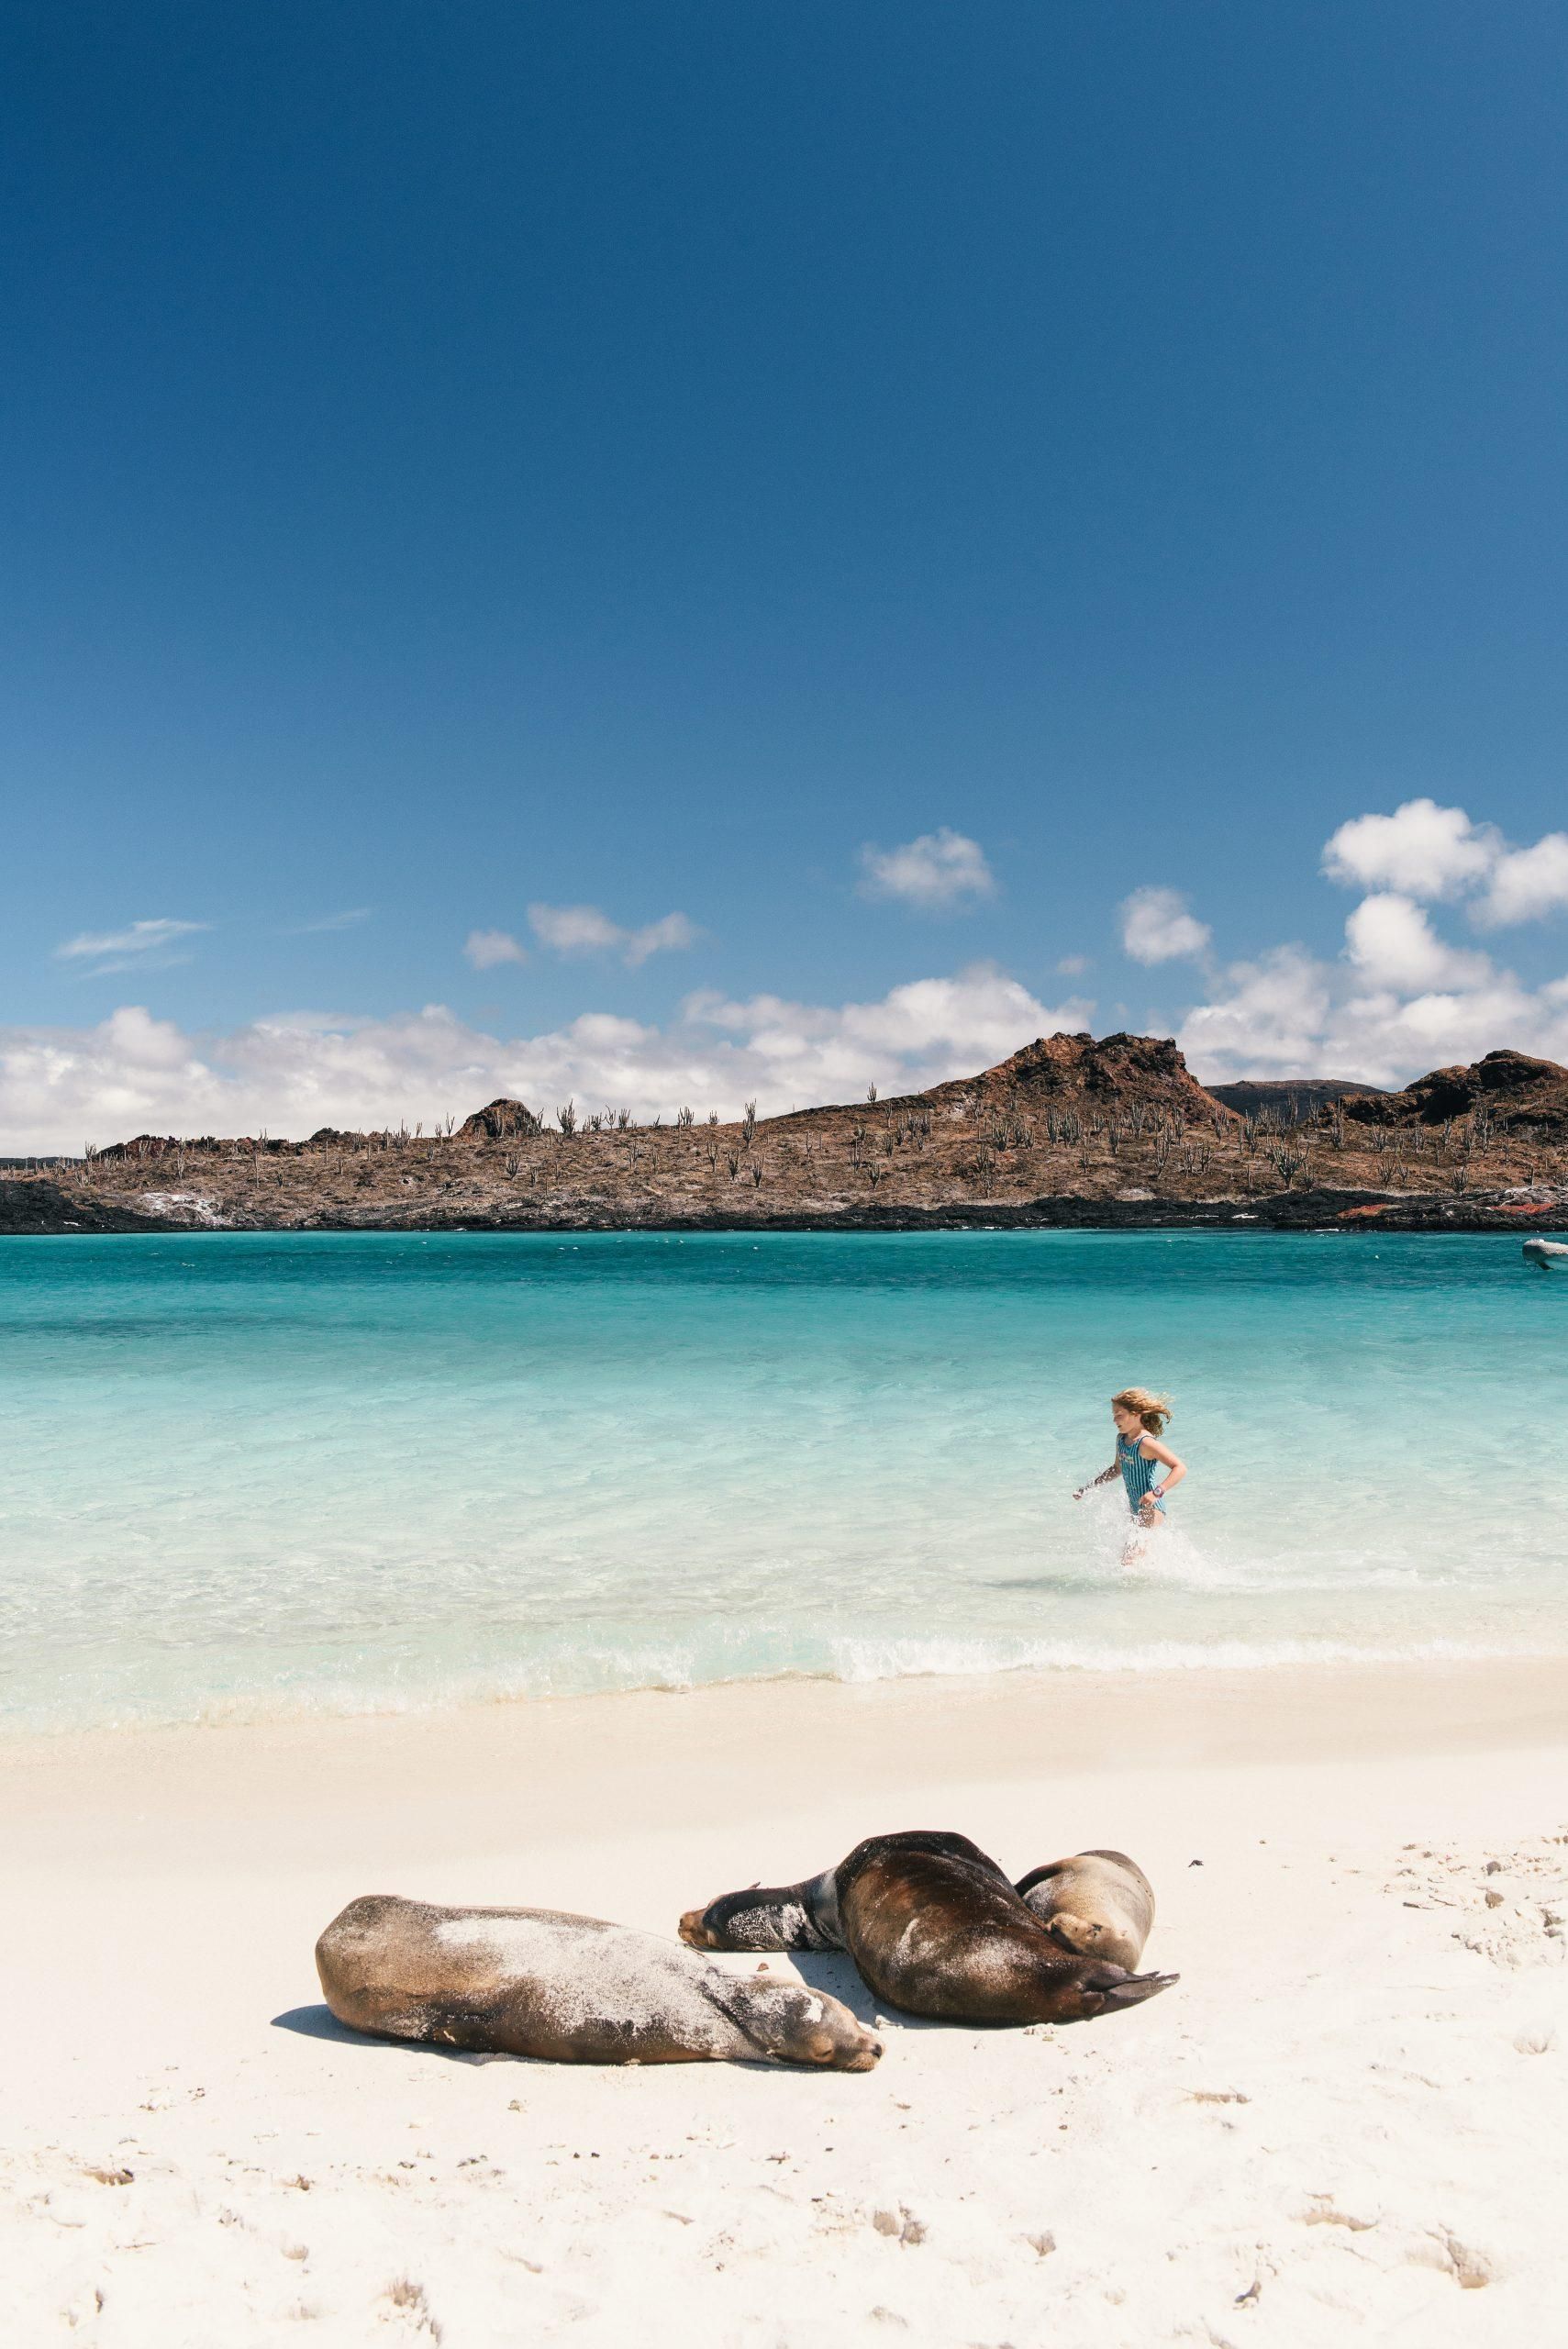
<point x="1099" y="1903"/>
<point x="935" y="1928"/>
<point x="572" y="1989"/>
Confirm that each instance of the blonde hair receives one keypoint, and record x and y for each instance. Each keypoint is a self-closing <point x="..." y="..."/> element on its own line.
<point x="1152" y="1409"/>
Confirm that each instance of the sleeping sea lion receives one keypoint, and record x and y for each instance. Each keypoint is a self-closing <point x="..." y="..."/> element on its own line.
<point x="935" y="1928"/>
<point x="1099" y="1903"/>
<point x="572" y="1989"/>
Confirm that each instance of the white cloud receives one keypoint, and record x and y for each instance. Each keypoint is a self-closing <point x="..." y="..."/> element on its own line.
<point x="1393" y="945"/>
<point x="1422" y="850"/>
<point x="349" y="921"/>
<point x="141" y="942"/>
<point x="1286" y="1017"/>
<point x="1157" y="928"/>
<point x="293" y="1072"/>
<point x="1268" y="1019"/>
<point x="914" y="1036"/>
<point x="1402" y="1004"/>
<point x="941" y="871"/>
<point x="584" y="929"/>
<point x="1072" y="966"/>
<point x="670" y="933"/>
<point x="575" y="930"/>
<point x="1401" y="999"/>
<point x="1425" y="850"/>
<point x="1527" y="884"/>
<point x="486" y="948"/>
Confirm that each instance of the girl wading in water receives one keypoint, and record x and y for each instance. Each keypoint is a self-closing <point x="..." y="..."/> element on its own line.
<point x="1140" y="1418"/>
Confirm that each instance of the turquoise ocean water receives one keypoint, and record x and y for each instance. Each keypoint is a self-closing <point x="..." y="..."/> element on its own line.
<point x="245" y="1474"/>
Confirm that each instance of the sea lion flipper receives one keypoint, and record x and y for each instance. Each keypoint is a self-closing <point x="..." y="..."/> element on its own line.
<point x="1133" y="1990"/>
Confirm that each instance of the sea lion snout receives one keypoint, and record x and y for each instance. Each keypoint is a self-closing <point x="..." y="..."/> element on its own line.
<point x="823" y="2047"/>
<point x="806" y="2026"/>
<point x="861" y="2055"/>
<point x="837" y="2039"/>
<point x="694" y="1932"/>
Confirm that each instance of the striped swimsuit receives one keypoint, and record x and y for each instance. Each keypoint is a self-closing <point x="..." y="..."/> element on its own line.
<point x="1138" y="1475"/>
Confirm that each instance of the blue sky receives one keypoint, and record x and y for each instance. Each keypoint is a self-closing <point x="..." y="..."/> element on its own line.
<point x="458" y="462"/>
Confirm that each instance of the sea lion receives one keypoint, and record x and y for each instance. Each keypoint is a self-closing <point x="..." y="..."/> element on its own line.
<point x="935" y="1928"/>
<point x="1099" y="1903"/>
<point x="572" y="1989"/>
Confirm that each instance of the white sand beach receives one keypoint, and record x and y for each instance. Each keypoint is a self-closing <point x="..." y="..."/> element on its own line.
<point x="1343" y="2122"/>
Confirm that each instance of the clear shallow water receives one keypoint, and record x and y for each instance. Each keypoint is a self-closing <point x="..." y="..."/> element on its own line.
<point x="247" y="1472"/>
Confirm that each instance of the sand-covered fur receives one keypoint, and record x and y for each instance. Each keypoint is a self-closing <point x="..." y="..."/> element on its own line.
<point x="572" y="1989"/>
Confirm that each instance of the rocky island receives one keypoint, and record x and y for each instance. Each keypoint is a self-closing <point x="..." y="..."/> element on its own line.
<point x="1069" y="1132"/>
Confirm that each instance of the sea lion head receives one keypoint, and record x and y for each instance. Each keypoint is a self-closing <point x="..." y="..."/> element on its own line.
<point x="748" y="1919"/>
<point x="1096" y="1904"/>
<point x="1075" y="1993"/>
<point x="795" y="2024"/>
<point x="705" y="1928"/>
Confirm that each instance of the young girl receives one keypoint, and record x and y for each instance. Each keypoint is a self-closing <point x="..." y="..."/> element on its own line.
<point x="1140" y="1418"/>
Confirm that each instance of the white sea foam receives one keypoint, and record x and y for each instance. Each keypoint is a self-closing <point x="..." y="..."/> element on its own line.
<point x="853" y="1662"/>
<point x="910" y="1659"/>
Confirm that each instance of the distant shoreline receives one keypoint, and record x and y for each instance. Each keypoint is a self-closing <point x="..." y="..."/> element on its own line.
<point x="1066" y="1134"/>
<point x="35" y="1214"/>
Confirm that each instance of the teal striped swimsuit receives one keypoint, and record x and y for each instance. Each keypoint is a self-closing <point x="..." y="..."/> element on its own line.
<point x="1137" y="1474"/>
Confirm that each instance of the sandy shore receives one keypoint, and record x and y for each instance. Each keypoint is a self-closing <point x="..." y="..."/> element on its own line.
<point x="1344" y="2123"/>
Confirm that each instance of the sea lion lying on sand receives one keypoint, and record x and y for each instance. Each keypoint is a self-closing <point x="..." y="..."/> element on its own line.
<point x="572" y="1989"/>
<point x="935" y="1928"/>
<point x="1099" y="1903"/>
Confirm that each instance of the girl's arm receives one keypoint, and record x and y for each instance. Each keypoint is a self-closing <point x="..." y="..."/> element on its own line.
<point x="1150" y="1450"/>
<point x="1106" y="1476"/>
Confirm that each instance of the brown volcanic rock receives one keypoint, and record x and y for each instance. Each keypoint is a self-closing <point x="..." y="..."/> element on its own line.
<point x="1511" y="1088"/>
<point x="500" y="1120"/>
<point x="166" y="1145"/>
<point x="1067" y="1132"/>
<point x="1105" y="1074"/>
<point x="142" y="1146"/>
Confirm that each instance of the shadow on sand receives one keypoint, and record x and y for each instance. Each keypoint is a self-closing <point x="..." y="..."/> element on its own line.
<point x="837" y="1975"/>
<point x="823" y="1970"/>
<point x="317" y="2022"/>
<point x="321" y="2022"/>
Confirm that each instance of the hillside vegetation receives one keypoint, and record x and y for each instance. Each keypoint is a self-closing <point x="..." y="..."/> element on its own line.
<point x="1070" y="1130"/>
